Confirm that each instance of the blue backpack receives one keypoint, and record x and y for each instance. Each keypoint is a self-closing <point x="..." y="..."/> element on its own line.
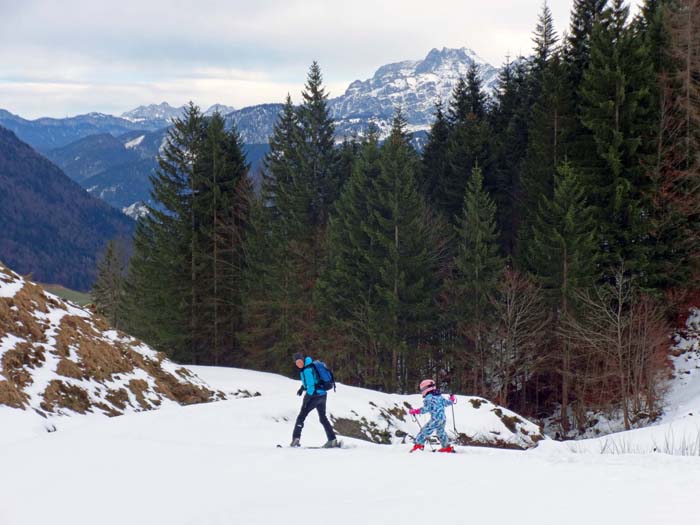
<point x="324" y="376"/>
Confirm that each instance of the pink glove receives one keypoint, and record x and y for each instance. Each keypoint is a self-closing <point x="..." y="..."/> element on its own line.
<point x="453" y="399"/>
<point x="414" y="411"/>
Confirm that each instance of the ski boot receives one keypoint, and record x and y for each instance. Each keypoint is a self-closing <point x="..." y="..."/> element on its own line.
<point x="417" y="446"/>
<point x="448" y="448"/>
<point x="333" y="443"/>
<point x="295" y="443"/>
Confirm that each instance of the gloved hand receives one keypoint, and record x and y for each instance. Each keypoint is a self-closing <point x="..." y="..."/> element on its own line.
<point x="414" y="411"/>
<point x="453" y="398"/>
<point x="301" y="390"/>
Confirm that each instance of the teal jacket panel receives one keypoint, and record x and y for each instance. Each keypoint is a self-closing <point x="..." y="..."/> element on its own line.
<point x="308" y="378"/>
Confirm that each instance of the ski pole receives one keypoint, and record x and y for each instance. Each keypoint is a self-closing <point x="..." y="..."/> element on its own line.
<point x="421" y="429"/>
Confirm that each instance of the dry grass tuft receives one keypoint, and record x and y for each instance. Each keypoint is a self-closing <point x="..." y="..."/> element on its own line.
<point x="68" y="368"/>
<point x="99" y="359"/>
<point x="61" y="395"/>
<point x="138" y="387"/>
<point x="12" y="396"/>
<point x="16" y="362"/>
<point x="119" y="398"/>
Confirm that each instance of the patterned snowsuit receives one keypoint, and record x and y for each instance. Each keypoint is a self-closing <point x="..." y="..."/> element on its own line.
<point x="434" y="404"/>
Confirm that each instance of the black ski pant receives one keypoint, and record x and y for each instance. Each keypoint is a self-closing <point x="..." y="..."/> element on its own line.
<point x="313" y="403"/>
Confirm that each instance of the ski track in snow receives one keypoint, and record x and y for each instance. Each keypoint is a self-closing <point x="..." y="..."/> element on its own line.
<point x="217" y="464"/>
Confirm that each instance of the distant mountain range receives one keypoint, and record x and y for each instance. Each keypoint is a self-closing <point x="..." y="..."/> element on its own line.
<point x="51" y="227"/>
<point x="112" y="156"/>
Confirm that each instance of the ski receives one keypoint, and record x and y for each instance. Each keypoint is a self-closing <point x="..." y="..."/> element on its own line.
<point x="340" y="445"/>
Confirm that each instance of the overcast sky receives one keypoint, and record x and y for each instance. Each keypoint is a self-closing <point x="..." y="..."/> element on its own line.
<point x="65" y="57"/>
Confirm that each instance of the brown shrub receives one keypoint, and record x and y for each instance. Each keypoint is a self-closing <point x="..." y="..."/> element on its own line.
<point x="138" y="387"/>
<point x="61" y="395"/>
<point x="108" y="410"/>
<point x="99" y="359"/>
<point x="12" y="396"/>
<point x="119" y="398"/>
<point x="68" y="368"/>
<point x="15" y="362"/>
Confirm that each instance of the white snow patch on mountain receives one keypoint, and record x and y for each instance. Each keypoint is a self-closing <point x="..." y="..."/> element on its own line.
<point x="136" y="210"/>
<point x="134" y="142"/>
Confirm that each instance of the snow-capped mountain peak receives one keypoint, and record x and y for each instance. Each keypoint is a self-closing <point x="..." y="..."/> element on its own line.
<point x="222" y="109"/>
<point x="162" y="111"/>
<point x="414" y="85"/>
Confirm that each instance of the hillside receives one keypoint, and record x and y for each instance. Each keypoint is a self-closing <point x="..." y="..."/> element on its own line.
<point x="91" y="155"/>
<point x="51" y="227"/>
<point x="58" y="360"/>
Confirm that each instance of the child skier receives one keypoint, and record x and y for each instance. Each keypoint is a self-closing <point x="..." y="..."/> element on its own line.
<point x="433" y="404"/>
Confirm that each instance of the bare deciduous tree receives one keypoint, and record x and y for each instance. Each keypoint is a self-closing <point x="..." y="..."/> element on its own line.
<point x="625" y="331"/>
<point x="521" y="322"/>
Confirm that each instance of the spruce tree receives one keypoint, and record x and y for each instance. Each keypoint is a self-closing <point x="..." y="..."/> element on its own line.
<point x="222" y="202"/>
<point x="399" y="228"/>
<point x="549" y="132"/>
<point x="477" y="267"/>
<point x="468" y="143"/>
<point x="435" y="168"/>
<point x="584" y="15"/>
<point x="615" y="108"/>
<point x="161" y="286"/>
<point x="277" y="304"/>
<point x="317" y="154"/>
<point x="345" y="293"/>
<point x="509" y="121"/>
<point x="545" y="39"/>
<point x="563" y="255"/>
<point x="107" y="292"/>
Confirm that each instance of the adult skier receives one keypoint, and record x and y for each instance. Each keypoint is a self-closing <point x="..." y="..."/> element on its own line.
<point x="433" y="404"/>
<point x="314" y="399"/>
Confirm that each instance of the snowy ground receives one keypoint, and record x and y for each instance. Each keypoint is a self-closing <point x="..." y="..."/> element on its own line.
<point x="217" y="464"/>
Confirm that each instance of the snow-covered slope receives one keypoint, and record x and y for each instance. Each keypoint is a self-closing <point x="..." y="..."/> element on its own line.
<point x="58" y="361"/>
<point x="378" y="417"/>
<point x="218" y="464"/>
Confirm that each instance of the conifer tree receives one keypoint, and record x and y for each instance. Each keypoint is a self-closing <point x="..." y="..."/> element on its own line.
<point x="545" y="39"/>
<point x="435" y="168"/>
<point x="276" y="307"/>
<point x="615" y="108"/>
<point x="477" y="268"/>
<point x="281" y="163"/>
<point x="107" y="293"/>
<point x="161" y="285"/>
<point x="584" y="15"/>
<point x="468" y="143"/>
<point x="670" y="33"/>
<point x="563" y="251"/>
<point x="548" y="135"/>
<point x="509" y="122"/>
<point x="400" y="229"/>
<point x="317" y="154"/>
<point x="222" y="206"/>
<point x="346" y="289"/>
<point x="563" y="255"/>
